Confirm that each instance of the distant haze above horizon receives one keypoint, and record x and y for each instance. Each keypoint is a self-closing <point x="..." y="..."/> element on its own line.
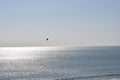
<point x="64" y="22"/>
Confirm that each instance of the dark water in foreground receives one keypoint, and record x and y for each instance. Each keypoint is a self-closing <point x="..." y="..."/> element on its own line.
<point x="59" y="63"/>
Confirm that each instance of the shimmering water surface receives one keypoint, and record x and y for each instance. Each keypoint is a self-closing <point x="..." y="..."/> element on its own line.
<point x="60" y="63"/>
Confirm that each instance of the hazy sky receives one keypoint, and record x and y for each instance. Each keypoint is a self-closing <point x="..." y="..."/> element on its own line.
<point x="64" y="22"/>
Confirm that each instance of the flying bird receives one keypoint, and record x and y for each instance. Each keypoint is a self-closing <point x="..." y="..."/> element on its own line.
<point x="46" y="39"/>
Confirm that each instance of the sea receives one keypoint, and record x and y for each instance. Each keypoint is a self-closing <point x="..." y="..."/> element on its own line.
<point x="60" y="63"/>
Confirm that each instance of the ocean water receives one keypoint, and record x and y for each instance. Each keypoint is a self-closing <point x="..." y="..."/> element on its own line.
<point x="60" y="63"/>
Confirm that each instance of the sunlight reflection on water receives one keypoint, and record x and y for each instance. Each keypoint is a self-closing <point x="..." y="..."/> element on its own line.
<point x="18" y="53"/>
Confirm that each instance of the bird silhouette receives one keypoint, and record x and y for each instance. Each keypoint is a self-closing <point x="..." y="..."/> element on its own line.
<point x="46" y="39"/>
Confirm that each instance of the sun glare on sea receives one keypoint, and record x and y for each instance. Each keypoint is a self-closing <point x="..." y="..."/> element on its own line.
<point x="22" y="52"/>
<point x="13" y="53"/>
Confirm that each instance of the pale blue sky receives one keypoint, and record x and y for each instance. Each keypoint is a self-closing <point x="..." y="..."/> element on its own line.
<point x="65" y="22"/>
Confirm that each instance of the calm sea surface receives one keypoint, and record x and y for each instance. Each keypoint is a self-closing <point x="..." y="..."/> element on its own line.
<point x="60" y="63"/>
